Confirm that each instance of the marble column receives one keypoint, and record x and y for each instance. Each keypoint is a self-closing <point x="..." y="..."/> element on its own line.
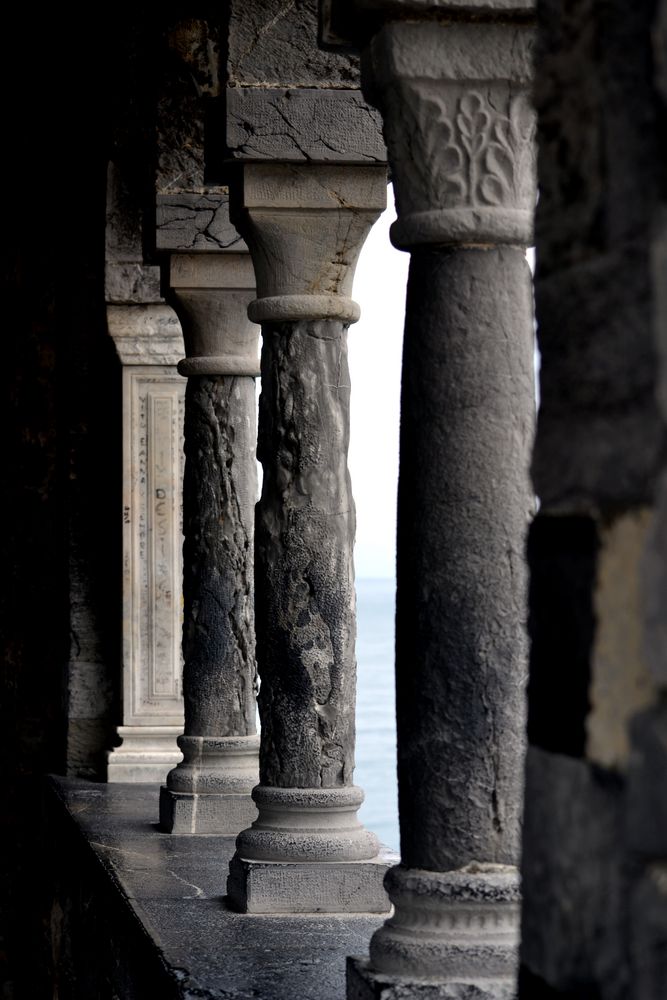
<point x="306" y="851"/>
<point x="149" y="342"/>
<point x="209" y="792"/>
<point x="459" y="130"/>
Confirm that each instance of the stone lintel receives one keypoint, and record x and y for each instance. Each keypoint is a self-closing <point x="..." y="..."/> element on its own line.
<point x="230" y="270"/>
<point x="196" y="221"/>
<point x="146" y="334"/>
<point x="348" y="27"/>
<point x="303" y="124"/>
<point x="365" y="984"/>
<point x="492" y="7"/>
<point x="470" y="52"/>
<point x="309" y="887"/>
<point x="214" y="812"/>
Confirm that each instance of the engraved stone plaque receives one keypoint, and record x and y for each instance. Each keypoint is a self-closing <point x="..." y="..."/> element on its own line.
<point x="149" y="342"/>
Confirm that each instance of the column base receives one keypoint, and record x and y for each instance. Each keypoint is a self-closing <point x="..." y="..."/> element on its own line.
<point x="308" y="853"/>
<point x="364" y="984"/>
<point x="451" y="927"/>
<point x="309" y="887"/>
<point x="210" y="790"/>
<point x="185" y="812"/>
<point x="146" y="754"/>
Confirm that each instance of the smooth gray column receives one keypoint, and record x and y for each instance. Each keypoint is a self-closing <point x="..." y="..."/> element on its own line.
<point x="459" y="129"/>
<point x="209" y="792"/>
<point x="467" y="413"/>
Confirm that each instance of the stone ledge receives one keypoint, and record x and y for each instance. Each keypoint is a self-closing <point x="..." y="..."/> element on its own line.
<point x="138" y="914"/>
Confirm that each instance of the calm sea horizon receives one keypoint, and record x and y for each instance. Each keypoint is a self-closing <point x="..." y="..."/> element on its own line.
<point x="375" y="768"/>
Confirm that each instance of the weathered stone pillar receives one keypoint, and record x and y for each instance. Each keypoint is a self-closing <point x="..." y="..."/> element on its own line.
<point x="209" y="792"/>
<point x="307" y="851"/>
<point x="459" y="131"/>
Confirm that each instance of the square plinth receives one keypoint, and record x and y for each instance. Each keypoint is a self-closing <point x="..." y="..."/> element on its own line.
<point x="363" y="984"/>
<point x="309" y="887"/>
<point x="224" y="813"/>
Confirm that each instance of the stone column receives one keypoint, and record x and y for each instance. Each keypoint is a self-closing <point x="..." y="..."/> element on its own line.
<point x="307" y="851"/>
<point x="209" y="792"/>
<point x="459" y="131"/>
<point x="149" y="343"/>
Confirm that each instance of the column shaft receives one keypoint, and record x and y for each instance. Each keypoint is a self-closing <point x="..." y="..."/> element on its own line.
<point x="305" y="578"/>
<point x="220" y="487"/>
<point x="466" y="419"/>
<point x="209" y="792"/>
<point x="305" y="226"/>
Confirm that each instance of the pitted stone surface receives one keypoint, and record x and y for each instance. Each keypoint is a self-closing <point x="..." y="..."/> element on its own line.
<point x="450" y="925"/>
<point x="312" y="887"/>
<point x="303" y="557"/>
<point x="309" y="824"/>
<point x="365" y="984"/>
<point x="303" y="124"/>
<point x="464" y="502"/>
<point x="219" y="493"/>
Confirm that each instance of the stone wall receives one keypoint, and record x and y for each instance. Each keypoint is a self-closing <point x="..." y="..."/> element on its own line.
<point x="595" y="834"/>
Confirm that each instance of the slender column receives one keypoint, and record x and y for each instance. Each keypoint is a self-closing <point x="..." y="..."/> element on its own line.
<point x="149" y="343"/>
<point x="307" y="851"/>
<point x="209" y="792"/>
<point x="459" y="132"/>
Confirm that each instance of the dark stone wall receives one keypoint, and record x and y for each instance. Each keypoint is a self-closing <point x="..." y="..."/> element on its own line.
<point x="595" y="835"/>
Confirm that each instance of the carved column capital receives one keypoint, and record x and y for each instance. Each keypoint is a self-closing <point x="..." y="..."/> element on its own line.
<point x="305" y="226"/>
<point x="210" y="294"/>
<point x="459" y="127"/>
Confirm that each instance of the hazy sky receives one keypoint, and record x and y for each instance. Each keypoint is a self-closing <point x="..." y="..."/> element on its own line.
<point x="375" y="367"/>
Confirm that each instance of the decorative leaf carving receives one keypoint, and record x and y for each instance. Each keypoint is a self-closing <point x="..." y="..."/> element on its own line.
<point x="466" y="152"/>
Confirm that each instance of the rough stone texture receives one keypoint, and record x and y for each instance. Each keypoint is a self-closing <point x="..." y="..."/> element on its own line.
<point x="337" y="887"/>
<point x="648" y="921"/>
<point x="595" y="839"/>
<point x="287" y="99"/>
<point x="365" y="984"/>
<point x="450" y="926"/>
<point x="275" y="43"/>
<point x="646" y="823"/>
<point x="303" y="124"/>
<point x="196" y="220"/>
<point x="621" y="684"/>
<point x="303" y="558"/>
<point x="219" y="492"/>
<point x="654" y="590"/>
<point x="599" y="438"/>
<point x="466" y="425"/>
<point x="573" y="925"/>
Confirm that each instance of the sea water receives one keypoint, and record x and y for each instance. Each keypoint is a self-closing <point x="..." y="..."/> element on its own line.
<point x="376" y="720"/>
